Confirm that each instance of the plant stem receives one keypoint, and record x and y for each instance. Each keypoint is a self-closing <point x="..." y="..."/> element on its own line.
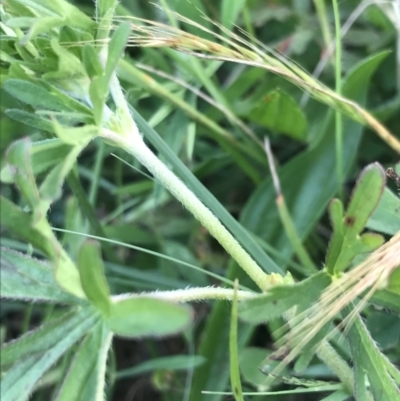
<point x="135" y="145"/>
<point x="94" y="186"/>
<point x="293" y="236"/>
<point x="236" y="384"/>
<point x="192" y="294"/>
<point x="128" y="138"/>
<point x="327" y="354"/>
<point x="285" y="217"/>
<point x="320" y="8"/>
<point x="338" y="87"/>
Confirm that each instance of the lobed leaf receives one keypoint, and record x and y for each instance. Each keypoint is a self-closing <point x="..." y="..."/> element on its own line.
<point x="346" y="242"/>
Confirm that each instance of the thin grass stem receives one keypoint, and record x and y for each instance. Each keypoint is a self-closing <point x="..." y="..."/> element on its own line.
<point x="320" y="8"/>
<point x="338" y="114"/>
<point x="285" y="217"/>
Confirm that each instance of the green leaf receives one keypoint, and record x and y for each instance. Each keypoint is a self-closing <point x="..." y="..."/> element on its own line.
<point x="76" y="136"/>
<point x="365" y="197"/>
<point x="105" y="6"/>
<point x="68" y="101"/>
<point x="41" y="25"/>
<point x="20" y="380"/>
<point x="22" y="224"/>
<point x="336" y="215"/>
<point x="85" y="379"/>
<point x="99" y="87"/>
<point x="51" y="188"/>
<point x="47" y="153"/>
<point x="34" y="95"/>
<point x="72" y="14"/>
<point x="43" y="338"/>
<point x="98" y="95"/>
<point x="115" y="50"/>
<point x="346" y="242"/>
<point x="307" y="194"/>
<point x="387" y="299"/>
<point x="371" y="241"/>
<point x="394" y="281"/>
<point x="279" y="299"/>
<point x="37" y="231"/>
<point x="366" y="354"/>
<point x="384" y="329"/>
<point x="70" y="75"/>
<point x="175" y="362"/>
<point x="28" y="279"/>
<point x="30" y="119"/>
<point x="279" y="112"/>
<point x="91" y="61"/>
<point x="386" y="217"/>
<point x="19" y="161"/>
<point x="176" y="250"/>
<point x="91" y="270"/>
<point x="230" y="12"/>
<point x="138" y="317"/>
<point x="250" y="360"/>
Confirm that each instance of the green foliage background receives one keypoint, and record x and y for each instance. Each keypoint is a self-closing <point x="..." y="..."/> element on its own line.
<point x="202" y="110"/>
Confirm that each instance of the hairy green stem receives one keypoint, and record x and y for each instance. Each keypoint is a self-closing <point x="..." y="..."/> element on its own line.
<point x="327" y="354"/>
<point x="192" y="294"/>
<point x="135" y="145"/>
<point x="128" y="138"/>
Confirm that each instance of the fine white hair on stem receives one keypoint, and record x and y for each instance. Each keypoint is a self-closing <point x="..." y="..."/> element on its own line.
<point x="195" y="294"/>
